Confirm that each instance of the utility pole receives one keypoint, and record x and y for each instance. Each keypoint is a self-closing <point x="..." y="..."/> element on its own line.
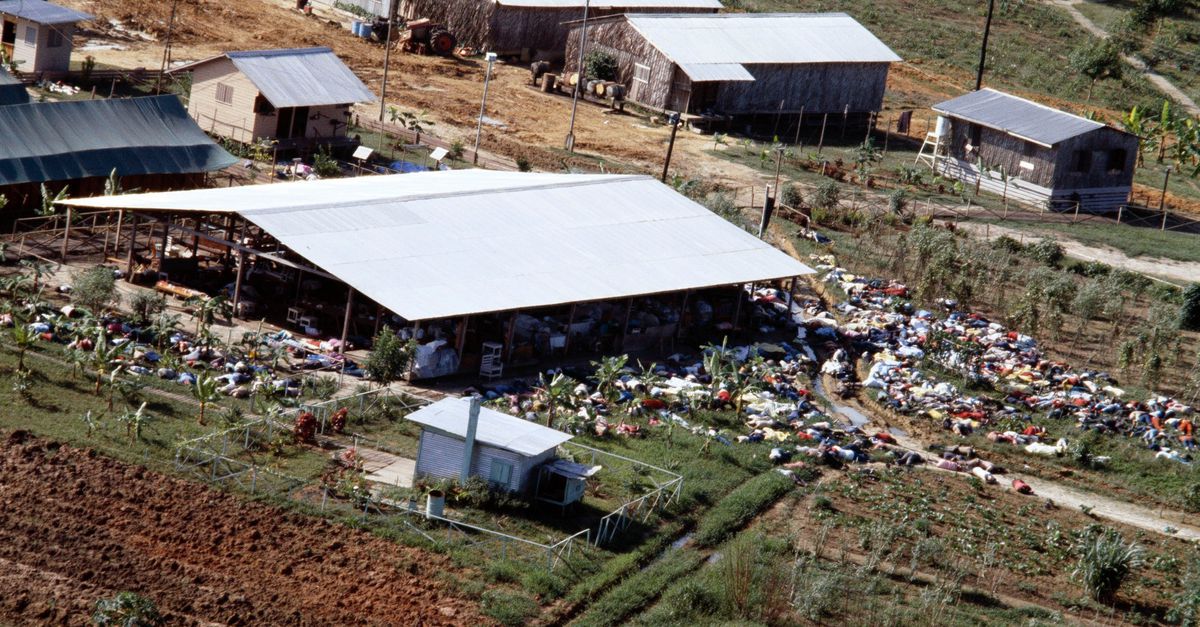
<point x="1162" y="200"/>
<point x="987" y="29"/>
<point x="570" y="144"/>
<point x="674" y="122"/>
<point x="491" y="60"/>
<point x="387" y="55"/>
<point x="166" y="48"/>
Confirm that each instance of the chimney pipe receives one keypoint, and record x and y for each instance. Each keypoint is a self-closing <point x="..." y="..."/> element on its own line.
<point x="469" y="444"/>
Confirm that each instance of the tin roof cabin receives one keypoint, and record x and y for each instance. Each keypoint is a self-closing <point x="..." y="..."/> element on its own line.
<point x="532" y="28"/>
<point x="300" y="97"/>
<point x="742" y="64"/>
<point x="502" y="449"/>
<point x="1031" y="153"/>
<point x="37" y="34"/>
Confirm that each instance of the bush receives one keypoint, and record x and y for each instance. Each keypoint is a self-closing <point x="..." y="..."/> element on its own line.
<point x="1047" y="251"/>
<point x="502" y="571"/>
<point x="390" y="357"/>
<point x="523" y="164"/>
<point x="1005" y="242"/>
<point x="94" y="288"/>
<point x="600" y="64"/>
<point x="1189" y="313"/>
<point x="740" y="506"/>
<point x="145" y="305"/>
<point x="1105" y="561"/>
<point x="126" y="609"/>
<point x="325" y="165"/>
<point x="827" y="195"/>
<point x="508" y="608"/>
<point x="543" y="583"/>
<point x="791" y="196"/>
<point x="897" y="201"/>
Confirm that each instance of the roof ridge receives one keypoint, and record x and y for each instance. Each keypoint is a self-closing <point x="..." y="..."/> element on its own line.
<point x="602" y="178"/>
<point x="276" y="52"/>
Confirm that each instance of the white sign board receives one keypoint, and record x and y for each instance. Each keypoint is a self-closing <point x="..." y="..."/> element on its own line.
<point x="362" y="153"/>
<point x="438" y="154"/>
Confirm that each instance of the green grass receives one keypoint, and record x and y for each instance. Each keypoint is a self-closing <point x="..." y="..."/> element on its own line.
<point x="1028" y="50"/>
<point x="740" y="507"/>
<point x="1133" y="241"/>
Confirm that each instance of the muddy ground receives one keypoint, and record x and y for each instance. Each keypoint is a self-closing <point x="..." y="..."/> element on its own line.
<point x="76" y="527"/>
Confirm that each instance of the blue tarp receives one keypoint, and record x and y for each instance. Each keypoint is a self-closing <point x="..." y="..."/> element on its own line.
<point x="62" y="141"/>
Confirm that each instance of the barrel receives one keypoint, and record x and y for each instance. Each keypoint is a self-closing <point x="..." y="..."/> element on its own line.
<point x="548" y="82"/>
<point x="356" y="28"/>
<point x="435" y="503"/>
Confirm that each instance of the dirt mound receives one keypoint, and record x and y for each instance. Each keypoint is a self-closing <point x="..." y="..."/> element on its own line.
<point x="76" y="527"/>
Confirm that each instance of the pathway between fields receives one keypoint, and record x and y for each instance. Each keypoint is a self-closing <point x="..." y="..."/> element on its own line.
<point x="1171" y="270"/>
<point x="1158" y="80"/>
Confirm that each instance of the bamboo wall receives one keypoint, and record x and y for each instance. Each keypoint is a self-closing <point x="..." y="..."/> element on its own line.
<point x="618" y="38"/>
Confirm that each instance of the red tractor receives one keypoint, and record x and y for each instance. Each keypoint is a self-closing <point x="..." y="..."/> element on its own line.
<point x="419" y="36"/>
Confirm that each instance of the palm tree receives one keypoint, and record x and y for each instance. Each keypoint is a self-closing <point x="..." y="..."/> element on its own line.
<point x="205" y="391"/>
<point x="556" y="392"/>
<point x="134" y="422"/>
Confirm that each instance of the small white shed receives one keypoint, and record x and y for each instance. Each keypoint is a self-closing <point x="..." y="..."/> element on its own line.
<point x="506" y="450"/>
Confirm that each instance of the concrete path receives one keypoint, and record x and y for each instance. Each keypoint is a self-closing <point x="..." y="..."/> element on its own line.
<point x="1159" y="81"/>
<point x="386" y="468"/>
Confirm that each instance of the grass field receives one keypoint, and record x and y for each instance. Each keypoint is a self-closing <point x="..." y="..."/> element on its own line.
<point x="1133" y="241"/>
<point x="1028" y="49"/>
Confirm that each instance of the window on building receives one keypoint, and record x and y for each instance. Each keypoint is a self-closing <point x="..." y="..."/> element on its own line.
<point x="31" y="35"/>
<point x="224" y="93"/>
<point x="1116" y="160"/>
<point x="1083" y="162"/>
<point x="501" y="474"/>
<point x="54" y="39"/>
<point x="641" y="73"/>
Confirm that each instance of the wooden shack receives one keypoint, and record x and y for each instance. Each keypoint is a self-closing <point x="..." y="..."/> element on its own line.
<point x="1032" y="153"/>
<point x="299" y="97"/>
<point x="742" y="64"/>
<point x="532" y="28"/>
<point x="37" y="34"/>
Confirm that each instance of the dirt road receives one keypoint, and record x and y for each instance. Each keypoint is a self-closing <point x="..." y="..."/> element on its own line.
<point x="1159" y="81"/>
<point x="76" y="527"/>
<point x="1171" y="270"/>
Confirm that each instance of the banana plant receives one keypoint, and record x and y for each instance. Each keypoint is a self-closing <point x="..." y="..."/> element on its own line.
<point x="557" y="393"/>
<point x="23" y="337"/>
<point x="608" y="370"/>
<point x="103" y="355"/>
<point x="135" y="421"/>
<point x="206" y="390"/>
<point x="1136" y="123"/>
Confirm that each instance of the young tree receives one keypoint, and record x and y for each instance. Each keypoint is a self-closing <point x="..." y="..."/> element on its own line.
<point x="135" y="421"/>
<point x="1105" y="561"/>
<point x="1096" y="62"/>
<point x="145" y="305"/>
<point x="94" y="288"/>
<point x="390" y="357"/>
<point x="206" y="390"/>
<point x="23" y="337"/>
<point x="608" y="370"/>
<point x="556" y="391"/>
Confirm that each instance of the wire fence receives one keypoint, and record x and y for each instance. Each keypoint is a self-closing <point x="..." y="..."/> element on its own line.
<point x="226" y="458"/>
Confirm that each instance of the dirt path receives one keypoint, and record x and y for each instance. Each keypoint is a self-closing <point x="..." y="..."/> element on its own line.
<point x="1178" y="272"/>
<point x="1158" y="80"/>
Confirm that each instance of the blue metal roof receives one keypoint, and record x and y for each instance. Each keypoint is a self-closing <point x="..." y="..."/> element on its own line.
<point x="12" y="91"/>
<point x="1017" y="116"/>
<point x="301" y="77"/>
<point x="62" y="141"/>
<point x="43" y="12"/>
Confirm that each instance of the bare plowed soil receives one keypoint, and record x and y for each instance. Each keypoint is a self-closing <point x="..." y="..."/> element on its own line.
<point x="76" y="526"/>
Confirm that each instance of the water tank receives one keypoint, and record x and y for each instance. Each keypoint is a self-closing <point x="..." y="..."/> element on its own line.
<point x="356" y="28"/>
<point x="943" y="126"/>
<point x="435" y="503"/>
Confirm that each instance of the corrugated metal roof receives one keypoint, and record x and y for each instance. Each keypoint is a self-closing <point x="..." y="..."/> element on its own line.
<point x="1017" y="116"/>
<point x="615" y="4"/>
<point x="441" y="244"/>
<point x="12" y="91"/>
<point x="702" y="72"/>
<point x="749" y="38"/>
<point x="301" y="77"/>
<point x="494" y="428"/>
<point x="60" y="141"/>
<point x="43" y="12"/>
